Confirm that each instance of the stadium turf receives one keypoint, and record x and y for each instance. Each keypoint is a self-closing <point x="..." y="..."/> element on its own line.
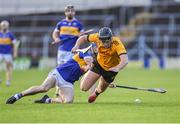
<point x="115" y="105"/>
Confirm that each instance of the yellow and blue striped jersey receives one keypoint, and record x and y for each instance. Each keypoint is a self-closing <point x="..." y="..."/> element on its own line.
<point x="68" y="29"/>
<point x="6" y="40"/>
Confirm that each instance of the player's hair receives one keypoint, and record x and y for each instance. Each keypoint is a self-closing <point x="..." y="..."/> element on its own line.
<point x="4" y="22"/>
<point x="69" y="7"/>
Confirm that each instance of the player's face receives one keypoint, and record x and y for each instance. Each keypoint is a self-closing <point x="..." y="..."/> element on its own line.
<point x="4" y="26"/>
<point x="70" y="13"/>
<point x="107" y="43"/>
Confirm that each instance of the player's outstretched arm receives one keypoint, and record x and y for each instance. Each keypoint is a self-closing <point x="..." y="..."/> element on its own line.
<point x="15" y="49"/>
<point x="122" y="64"/>
<point x="81" y="40"/>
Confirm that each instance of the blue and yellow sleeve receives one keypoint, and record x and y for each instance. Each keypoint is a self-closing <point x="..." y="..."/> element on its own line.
<point x="12" y="36"/>
<point x="81" y="29"/>
<point x="58" y="26"/>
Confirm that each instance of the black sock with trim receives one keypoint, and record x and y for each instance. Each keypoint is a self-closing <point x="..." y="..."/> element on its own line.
<point x="18" y="96"/>
<point x="96" y="92"/>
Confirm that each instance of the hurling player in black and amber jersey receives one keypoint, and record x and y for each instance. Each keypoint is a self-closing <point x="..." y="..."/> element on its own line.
<point x="110" y="59"/>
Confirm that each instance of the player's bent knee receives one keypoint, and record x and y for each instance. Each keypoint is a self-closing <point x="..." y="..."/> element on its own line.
<point x="9" y="64"/>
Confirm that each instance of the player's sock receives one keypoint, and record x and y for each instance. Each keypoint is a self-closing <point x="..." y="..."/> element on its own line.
<point x="93" y="96"/>
<point x="18" y="96"/>
<point x="97" y="93"/>
<point x="57" y="94"/>
<point x="48" y="100"/>
<point x="44" y="99"/>
<point x="8" y="83"/>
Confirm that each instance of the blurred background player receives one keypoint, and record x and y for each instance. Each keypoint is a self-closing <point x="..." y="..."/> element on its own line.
<point x="111" y="58"/>
<point x="66" y="28"/>
<point x="63" y="77"/>
<point x="7" y="47"/>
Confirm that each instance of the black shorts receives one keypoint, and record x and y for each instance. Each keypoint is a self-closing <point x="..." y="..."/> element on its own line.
<point x="108" y="76"/>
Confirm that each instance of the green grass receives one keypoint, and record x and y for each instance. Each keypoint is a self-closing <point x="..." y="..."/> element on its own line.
<point x="114" y="105"/>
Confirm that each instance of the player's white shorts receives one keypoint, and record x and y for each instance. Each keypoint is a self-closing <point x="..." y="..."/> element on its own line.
<point x="6" y="58"/>
<point x="63" y="56"/>
<point x="60" y="82"/>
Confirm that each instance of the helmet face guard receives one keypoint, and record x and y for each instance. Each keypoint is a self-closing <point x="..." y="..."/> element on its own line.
<point x="105" y="40"/>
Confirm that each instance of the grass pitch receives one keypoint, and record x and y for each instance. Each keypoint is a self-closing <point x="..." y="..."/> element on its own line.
<point x="114" y="105"/>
